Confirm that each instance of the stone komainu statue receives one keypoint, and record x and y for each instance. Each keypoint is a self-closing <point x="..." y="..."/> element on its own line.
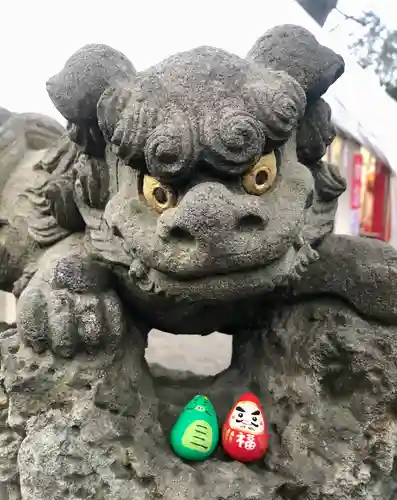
<point x="191" y="197"/>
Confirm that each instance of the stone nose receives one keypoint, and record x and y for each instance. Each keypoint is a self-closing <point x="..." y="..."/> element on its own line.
<point x="210" y="214"/>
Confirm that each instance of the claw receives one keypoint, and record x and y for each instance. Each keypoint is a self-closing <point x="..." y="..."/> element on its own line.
<point x="75" y="311"/>
<point x="113" y="320"/>
<point x="89" y="316"/>
<point x="61" y="331"/>
<point x="32" y="319"/>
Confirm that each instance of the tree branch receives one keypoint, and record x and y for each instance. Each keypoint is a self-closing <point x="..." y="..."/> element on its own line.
<point x="351" y="18"/>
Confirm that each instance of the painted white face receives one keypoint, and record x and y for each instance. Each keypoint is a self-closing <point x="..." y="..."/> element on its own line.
<point x="247" y="417"/>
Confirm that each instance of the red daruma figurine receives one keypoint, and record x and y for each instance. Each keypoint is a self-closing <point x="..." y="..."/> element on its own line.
<point x="244" y="434"/>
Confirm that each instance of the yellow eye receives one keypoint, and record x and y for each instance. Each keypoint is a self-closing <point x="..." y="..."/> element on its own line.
<point x="261" y="176"/>
<point x="158" y="196"/>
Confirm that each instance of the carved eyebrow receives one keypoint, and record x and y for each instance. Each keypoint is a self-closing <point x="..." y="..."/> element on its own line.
<point x="238" y="408"/>
<point x="256" y="412"/>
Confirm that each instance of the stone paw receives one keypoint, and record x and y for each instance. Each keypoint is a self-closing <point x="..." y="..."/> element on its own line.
<point x="75" y="310"/>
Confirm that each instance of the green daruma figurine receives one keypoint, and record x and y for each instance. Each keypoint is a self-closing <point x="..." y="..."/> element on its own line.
<point x="196" y="433"/>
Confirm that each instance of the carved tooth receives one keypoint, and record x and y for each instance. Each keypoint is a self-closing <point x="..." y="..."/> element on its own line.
<point x="146" y="286"/>
<point x="137" y="269"/>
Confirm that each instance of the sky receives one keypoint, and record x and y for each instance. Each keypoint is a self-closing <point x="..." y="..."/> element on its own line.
<point x="385" y="9"/>
<point x="38" y="36"/>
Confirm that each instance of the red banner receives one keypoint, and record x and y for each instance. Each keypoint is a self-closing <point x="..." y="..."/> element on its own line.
<point x="356" y="181"/>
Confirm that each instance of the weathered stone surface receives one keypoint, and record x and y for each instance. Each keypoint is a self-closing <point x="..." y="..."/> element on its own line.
<point x="24" y="139"/>
<point x="192" y="198"/>
<point x="345" y="257"/>
<point x="327" y="378"/>
<point x="315" y="133"/>
<point x="295" y="50"/>
<point x="76" y="90"/>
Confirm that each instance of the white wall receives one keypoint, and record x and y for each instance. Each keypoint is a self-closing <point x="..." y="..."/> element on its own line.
<point x="7" y="307"/>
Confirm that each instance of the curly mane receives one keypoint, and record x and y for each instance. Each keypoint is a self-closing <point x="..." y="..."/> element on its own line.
<point x="55" y="214"/>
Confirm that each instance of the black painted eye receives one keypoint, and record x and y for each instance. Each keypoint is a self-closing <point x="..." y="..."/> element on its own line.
<point x="161" y="195"/>
<point x="261" y="177"/>
<point x="240" y="415"/>
<point x="254" y="419"/>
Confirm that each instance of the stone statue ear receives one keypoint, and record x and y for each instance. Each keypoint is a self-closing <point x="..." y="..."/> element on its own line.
<point x="296" y="51"/>
<point x="315" y="133"/>
<point x="77" y="88"/>
<point x="125" y="118"/>
<point x="110" y="111"/>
